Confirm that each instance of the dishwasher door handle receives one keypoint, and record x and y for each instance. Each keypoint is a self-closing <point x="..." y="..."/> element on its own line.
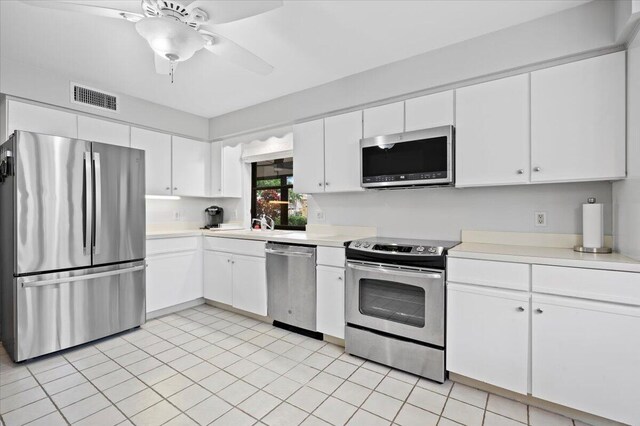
<point x="288" y="253"/>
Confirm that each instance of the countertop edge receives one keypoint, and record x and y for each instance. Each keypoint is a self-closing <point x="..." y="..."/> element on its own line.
<point x="604" y="264"/>
<point x="339" y="241"/>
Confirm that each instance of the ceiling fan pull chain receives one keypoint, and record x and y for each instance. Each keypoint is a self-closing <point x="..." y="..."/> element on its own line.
<point x="172" y="71"/>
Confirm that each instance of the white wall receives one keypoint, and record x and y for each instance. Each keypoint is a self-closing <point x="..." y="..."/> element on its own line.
<point x="572" y="32"/>
<point x="441" y="213"/>
<point x="626" y="194"/>
<point x="37" y="84"/>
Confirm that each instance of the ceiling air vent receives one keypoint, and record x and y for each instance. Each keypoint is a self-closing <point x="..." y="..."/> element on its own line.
<point x="92" y="97"/>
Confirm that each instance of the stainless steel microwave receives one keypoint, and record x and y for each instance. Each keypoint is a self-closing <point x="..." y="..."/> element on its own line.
<point x="417" y="158"/>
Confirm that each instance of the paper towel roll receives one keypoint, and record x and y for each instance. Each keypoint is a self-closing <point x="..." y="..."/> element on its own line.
<point x="592" y="225"/>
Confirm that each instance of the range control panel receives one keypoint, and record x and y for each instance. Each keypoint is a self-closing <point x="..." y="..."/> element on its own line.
<point x="373" y="246"/>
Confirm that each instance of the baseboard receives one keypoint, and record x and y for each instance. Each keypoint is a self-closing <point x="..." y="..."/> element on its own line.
<point x="535" y="402"/>
<point x="175" y="308"/>
<point x="238" y="311"/>
<point x="335" y="340"/>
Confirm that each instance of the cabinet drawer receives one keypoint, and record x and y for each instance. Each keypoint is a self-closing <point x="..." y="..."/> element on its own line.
<point x="171" y="245"/>
<point x="508" y="275"/>
<point x="235" y="245"/>
<point x="331" y="256"/>
<point x="611" y="286"/>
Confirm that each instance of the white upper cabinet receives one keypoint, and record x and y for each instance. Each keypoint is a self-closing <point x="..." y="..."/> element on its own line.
<point x="492" y="132"/>
<point x="157" y="159"/>
<point x="96" y="130"/>
<point x="32" y="118"/>
<point x="578" y="120"/>
<point x="429" y="111"/>
<point x="342" y="134"/>
<point x="384" y="120"/>
<point x="191" y="162"/>
<point x="216" y="169"/>
<point x="308" y="157"/>
<point x="232" y="171"/>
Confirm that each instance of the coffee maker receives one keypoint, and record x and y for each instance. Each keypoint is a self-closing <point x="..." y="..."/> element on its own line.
<point x="214" y="216"/>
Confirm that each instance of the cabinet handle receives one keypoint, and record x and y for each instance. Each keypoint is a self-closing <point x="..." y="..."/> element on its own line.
<point x="520" y="309"/>
<point x="520" y="171"/>
<point x="168" y="188"/>
<point x="175" y="189"/>
<point x="539" y="311"/>
<point x="339" y="278"/>
<point x="228" y="260"/>
<point x="326" y="184"/>
<point x="319" y="183"/>
<point x="536" y="169"/>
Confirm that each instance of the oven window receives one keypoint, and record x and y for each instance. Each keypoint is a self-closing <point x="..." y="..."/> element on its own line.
<point x="392" y="301"/>
<point x="421" y="156"/>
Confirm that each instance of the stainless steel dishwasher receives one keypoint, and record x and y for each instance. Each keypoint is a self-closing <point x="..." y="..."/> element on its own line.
<point x="291" y="284"/>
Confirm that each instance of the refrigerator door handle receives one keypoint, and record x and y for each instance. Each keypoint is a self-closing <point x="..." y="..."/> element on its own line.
<point x="87" y="191"/>
<point x="82" y="277"/>
<point x="97" y="182"/>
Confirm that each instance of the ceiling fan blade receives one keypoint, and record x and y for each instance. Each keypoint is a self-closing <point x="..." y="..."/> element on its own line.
<point x="163" y="66"/>
<point x="223" y="11"/>
<point x="232" y="52"/>
<point x="85" y="8"/>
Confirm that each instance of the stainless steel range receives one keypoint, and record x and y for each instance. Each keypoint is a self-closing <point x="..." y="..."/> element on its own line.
<point x="395" y="303"/>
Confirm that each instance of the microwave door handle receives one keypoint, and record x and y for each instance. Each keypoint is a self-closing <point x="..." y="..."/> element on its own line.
<point x="393" y="271"/>
<point x="98" y="202"/>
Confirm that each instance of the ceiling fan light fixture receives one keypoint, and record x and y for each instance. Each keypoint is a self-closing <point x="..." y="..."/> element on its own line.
<point x="170" y="39"/>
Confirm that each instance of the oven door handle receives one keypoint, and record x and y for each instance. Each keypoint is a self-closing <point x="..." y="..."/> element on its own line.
<point x="393" y="271"/>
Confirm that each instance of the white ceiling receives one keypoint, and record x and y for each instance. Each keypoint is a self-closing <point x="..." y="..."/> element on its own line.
<point x="308" y="42"/>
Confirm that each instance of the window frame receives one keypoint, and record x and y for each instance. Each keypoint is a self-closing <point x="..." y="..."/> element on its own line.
<point x="284" y="196"/>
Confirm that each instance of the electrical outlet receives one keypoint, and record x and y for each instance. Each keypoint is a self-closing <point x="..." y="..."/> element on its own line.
<point x="177" y="215"/>
<point x="540" y="218"/>
<point x="320" y="215"/>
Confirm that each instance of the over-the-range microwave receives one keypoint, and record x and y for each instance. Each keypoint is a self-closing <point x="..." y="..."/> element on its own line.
<point x="409" y="159"/>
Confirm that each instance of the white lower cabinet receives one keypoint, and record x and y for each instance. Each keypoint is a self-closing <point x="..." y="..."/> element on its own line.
<point x="173" y="277"/>
<point x="330" y="301"/>
<point x="236" y="280"/>
<point x="218" y="284"/>
<point x="250" y="284"/>
<point x="578" y="337"/>
<point x="488" y="335"/>
<point x="586" y="355"/>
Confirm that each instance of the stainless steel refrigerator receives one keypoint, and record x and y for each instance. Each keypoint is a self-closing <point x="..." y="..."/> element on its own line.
<point x="72" y="242"/>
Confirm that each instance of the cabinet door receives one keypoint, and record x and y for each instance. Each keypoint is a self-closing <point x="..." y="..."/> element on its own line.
<point x="308" y="157"/>
<point x="218" y="278"/>
<point x="585" y="356"/>
<point x="250" y="284"/>
<point x="429" y="111"/>
<point x="232" y="171"/>
<point x="330" y="301"/>
<point x="492" y="132"/>
<point x="32" y="118"/>
<point x="96" y="130"/>
<point x="342" y="134"/>
<point x="157" y="159"/>
<point x="578" y="120"/>
<point x="173" y="279"/>
<point x="488" y="335"/>
<point x="191" y="167"/>
<point x="384" y="120"/>
<point x="216" y="169"/>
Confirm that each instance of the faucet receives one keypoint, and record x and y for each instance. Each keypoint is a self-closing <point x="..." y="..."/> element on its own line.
<point x="268" y="221"/>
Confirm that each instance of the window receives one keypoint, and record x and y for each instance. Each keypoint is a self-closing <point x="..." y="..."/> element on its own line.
<point x="272" y="189"/>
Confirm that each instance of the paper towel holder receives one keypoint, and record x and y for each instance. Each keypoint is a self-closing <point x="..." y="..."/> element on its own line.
<point x="593" y="250"/>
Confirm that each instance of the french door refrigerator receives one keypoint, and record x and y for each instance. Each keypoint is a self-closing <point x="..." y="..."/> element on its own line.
<point x="72" y="242"/>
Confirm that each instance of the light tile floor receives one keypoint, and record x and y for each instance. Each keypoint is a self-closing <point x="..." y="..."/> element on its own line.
<point x="206" y="366"/>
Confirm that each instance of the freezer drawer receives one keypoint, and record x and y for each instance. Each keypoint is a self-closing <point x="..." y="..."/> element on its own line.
<point x="291" y="284"/>
<point x="61" y="310"/>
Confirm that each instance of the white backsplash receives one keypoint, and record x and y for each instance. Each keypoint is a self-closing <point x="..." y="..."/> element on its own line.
<point x="187" y="213"/>
<point x="441" y="213"/>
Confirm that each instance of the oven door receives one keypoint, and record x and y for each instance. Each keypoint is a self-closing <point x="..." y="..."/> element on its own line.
<point x="402" y="301"/>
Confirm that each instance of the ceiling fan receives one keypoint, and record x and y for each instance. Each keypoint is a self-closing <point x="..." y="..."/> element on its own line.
<point x="176" y="30"/>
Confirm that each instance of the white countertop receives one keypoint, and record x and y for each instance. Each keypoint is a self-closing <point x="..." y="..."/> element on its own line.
<point x="544" y="256"/>
<point x="319" y="236"/>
